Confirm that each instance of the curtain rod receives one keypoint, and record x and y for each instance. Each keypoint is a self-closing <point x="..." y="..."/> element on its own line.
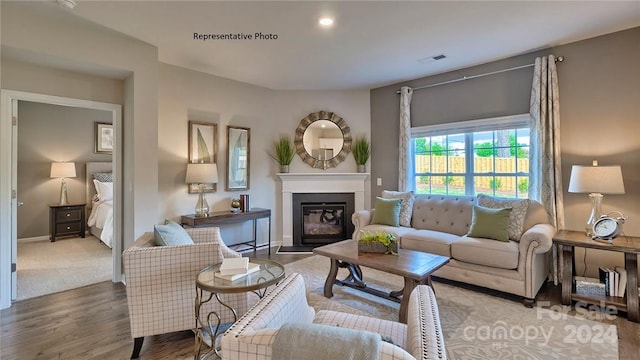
<point x="558" y="59"/>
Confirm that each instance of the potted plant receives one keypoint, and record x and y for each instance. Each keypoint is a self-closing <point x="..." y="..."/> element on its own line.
<point x="284" y="153"/>
<point x="380" y="242"/>
<point x="361" y="150"/>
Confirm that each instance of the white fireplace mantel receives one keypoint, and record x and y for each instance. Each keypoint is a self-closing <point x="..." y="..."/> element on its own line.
<point x="295" y="183"/>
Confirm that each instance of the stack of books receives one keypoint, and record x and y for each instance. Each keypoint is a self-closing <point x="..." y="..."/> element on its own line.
<point x="614" y="280"/>
<point x="236" y="268"/>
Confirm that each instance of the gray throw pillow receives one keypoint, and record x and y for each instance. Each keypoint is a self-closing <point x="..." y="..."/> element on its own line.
<point x="171" y="234"/>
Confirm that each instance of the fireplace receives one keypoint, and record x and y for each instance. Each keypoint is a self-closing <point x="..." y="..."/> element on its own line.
<point x="320" y="219"/>
<point x="325" y="183"/>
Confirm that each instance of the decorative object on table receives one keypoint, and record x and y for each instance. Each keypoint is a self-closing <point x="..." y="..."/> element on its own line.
<point x="235" y="205"/>
<point x="203" y="141"/>
<point x="244" y="203"/>
<point x="232" y="266"/>
<point x="607" y="227"/>
<point x="104" y="138"/>
<point x="63" y="170"/>
<point x="201" y="174"/>
<point x="361" y="150"/>
<point x="323" y="139"/>
<point x="595" y="180"/>
<point x="379" y="242"/>
<point x="284" y="153"/>
<point x="238" y="158"/>
<point x="251" y="268"/>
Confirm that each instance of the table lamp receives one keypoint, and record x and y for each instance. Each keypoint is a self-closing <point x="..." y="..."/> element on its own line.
<point x="63" y="170"/>
<point x="595" y="180"/>
<point x="202" y="174"/>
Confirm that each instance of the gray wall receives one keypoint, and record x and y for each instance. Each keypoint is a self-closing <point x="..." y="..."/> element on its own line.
<point x="50" y="133"/>
<point x="599" y="107"/>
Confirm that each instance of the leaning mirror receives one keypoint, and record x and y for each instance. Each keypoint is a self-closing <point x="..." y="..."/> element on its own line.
<point x="323" y="139"/>
<point x="238" y="144"/>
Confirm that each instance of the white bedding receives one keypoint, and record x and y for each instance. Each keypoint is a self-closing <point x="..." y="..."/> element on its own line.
<point x="102" y="218"/>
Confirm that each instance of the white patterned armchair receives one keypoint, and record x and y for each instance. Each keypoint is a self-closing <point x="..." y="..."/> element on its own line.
<point x="253" y="336"/>
<point x="161" y="283"/>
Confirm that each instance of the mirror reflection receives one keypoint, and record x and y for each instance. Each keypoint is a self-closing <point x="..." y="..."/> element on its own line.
<point x="323" y="140"/>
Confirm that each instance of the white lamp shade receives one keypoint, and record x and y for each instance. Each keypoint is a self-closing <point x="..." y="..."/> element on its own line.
<point x="202" y="174"/>
<point x="63" y="170"/>
<point x="596" y="179"/>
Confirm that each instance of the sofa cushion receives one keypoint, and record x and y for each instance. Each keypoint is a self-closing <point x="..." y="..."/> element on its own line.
<point x="387" y="212"/>
<point x="449" y="214"/>
<point x="490" y="223"/>
<point x="518" y="214"/>
<point x="434" y="242"/>
<point x="407" y="204"/>
<point x="485" y="252"/>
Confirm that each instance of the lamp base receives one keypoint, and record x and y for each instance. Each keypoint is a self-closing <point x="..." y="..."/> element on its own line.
<point x="63" y="193"/>
<point x="596" y="212"/>
<point x="202" y="208"/>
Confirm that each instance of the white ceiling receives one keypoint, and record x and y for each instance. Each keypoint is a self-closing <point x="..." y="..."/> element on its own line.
<point x="373" y="43"/>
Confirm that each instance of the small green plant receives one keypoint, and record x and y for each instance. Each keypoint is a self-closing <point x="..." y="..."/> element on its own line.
<point x="387" y="239"/>
<point x="495" y="184"/>
<point x="284" y="151"/>
<point x="361" y="150"/>
<point x="523" y="186"/>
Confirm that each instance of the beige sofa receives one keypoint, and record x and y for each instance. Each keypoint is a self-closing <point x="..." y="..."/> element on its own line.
<point x="439" y="224"/>
<point x="255" y="335"/>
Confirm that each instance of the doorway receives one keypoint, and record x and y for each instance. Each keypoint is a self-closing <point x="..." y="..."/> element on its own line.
<point x="9" y="119"/>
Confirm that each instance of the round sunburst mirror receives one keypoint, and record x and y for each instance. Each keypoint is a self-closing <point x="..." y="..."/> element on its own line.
<point x="323" y="139"/>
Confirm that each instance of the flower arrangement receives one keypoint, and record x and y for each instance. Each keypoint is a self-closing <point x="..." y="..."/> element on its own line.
<point x="380" y="242"/>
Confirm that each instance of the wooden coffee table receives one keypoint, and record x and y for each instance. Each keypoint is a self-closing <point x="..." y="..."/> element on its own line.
<point x="415" y="267"/>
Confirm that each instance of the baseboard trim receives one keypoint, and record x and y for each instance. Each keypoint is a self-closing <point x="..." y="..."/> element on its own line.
<point x="34" y="239"/>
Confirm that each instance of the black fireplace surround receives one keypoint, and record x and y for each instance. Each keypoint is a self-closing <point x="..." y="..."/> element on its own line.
<point x="321" y="218"/>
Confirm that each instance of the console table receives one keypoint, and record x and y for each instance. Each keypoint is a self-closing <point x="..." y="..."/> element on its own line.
<point x="629" y="245"/>
<point x="228" y="217"/>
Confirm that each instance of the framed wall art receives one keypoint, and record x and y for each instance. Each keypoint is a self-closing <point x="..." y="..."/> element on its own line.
<point x="238" y="156"/>
<point x="104" y="138"/>
<point x="203" y="144"/>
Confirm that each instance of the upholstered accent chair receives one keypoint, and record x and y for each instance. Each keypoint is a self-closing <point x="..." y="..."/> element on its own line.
<point x="161" y="283"/>
<point x="253" y="336"/>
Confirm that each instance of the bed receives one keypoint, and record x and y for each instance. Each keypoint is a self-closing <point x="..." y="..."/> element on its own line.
<point x="99" y="182"/>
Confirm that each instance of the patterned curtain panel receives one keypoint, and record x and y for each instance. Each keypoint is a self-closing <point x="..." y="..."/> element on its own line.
<point x="545" y="175"/>
<point x="405" y="178"/>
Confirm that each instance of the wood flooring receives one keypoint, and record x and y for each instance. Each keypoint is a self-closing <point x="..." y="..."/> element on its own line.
<point x="92" y="323"/>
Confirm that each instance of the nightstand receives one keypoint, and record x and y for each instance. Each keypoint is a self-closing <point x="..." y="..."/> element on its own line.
<point x="66" y="220"/>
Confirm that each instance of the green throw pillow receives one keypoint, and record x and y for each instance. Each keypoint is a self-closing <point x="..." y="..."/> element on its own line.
<point x="170" y="234"/>
<point x="387" y="212"/>
<point x="490" y="223"/>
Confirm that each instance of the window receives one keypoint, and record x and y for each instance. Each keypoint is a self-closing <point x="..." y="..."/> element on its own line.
<point x="489" y="156"/>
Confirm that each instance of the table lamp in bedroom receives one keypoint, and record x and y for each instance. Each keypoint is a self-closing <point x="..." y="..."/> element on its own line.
<point x="202" y="174"/>
<point x="63" y="170"/>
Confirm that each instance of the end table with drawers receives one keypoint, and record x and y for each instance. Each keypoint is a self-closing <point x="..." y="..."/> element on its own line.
<point x="66" y="220"/>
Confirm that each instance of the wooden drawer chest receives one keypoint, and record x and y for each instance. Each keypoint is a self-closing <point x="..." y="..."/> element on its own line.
<point x="66" y="220"/>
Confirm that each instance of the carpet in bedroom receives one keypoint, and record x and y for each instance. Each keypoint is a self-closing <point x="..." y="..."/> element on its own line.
<point x="46" y="267"/>
<point x="475" y="325"/>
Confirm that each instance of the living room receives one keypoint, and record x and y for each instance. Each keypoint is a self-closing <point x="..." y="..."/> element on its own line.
<point x="64" y="55"/>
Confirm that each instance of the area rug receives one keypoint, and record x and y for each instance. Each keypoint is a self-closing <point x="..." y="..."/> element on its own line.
<point x="475" y="325"/>
<point x="46" y="267"/>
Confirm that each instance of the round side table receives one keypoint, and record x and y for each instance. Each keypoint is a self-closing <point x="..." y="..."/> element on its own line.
<point x="208" y="326"/>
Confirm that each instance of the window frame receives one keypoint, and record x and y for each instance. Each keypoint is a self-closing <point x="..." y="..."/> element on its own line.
<point x="467" y="130"/>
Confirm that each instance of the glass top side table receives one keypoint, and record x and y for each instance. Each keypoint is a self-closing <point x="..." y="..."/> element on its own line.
<point x="209" y="326"/>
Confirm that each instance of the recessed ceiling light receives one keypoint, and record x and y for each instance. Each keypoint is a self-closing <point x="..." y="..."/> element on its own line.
<point x="325" y="21"/>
